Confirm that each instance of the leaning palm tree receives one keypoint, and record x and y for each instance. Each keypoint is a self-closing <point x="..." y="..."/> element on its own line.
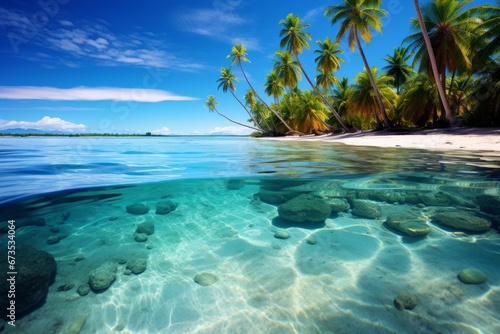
<point x="357" y="17"/>
<point x="447" y="31"/>
<point x="295" y="40"/>
<point x="362" y="99"/>
<point x="398" y="66"/>
<point x="211" y="103"/>
<point x="239" y="55"/>
<point x="227" y="80"/>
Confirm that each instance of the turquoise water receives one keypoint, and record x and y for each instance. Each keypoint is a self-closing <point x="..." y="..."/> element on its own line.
<point x="340" y="275"/>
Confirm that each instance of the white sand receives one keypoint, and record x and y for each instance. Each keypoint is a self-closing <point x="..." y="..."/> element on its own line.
<point x="471" y="139"/>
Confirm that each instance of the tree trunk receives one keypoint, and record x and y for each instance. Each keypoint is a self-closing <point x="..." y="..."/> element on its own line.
<point x="387" y="122"/>
<point x="325" y="101"/>
<point x="230" y="120"/>
<point x="261" y="100"/>
<point x="454" y="122"/>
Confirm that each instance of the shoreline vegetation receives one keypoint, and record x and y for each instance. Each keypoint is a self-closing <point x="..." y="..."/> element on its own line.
<point x="445" y="74"/>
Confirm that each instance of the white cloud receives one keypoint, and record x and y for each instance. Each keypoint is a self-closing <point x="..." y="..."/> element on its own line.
<point x="163" y="131"/>
<point x="220" y="21"/>
<point x="76" y="43"/>
<point x="312" y="14"/>
<point x="230" y="130"/>
<point x="45" y="124"/>
<point x="89" y="94"/>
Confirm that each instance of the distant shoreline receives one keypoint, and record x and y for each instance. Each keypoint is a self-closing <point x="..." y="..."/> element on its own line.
<point x="469" y="139"/>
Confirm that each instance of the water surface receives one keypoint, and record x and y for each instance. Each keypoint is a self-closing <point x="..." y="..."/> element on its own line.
<point x="226" y="192"/>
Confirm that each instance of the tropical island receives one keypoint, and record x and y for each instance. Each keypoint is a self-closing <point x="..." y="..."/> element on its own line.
<point x="445" y="74"/>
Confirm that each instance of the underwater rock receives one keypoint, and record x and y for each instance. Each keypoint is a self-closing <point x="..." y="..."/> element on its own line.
<point x="462" y="220"/>
<point x="79" y="257"/>
<point x="65" y="287"/>
<point x="76" y="325"/>
<point x="53" y="239"/>
<point x="365" y="209"/>
<point x="276" y="196"/>
<point x="164" y="207"/>
<point x="389" y="196"/>
<point x="83" y="289"/>
<point x="472" y="276"/>
<point x="405" y="301"/>
<point x="205" y="279"/>
<point x="337" y="204"/>
<point x="102" y="277"/>
<point x="489" y="204"/>
<point x="36" y="271"/>
<point x="140" y="237"/>
<point x="441" y="198"/>
<point x="305" y="209"/>
<point x="137" y="208"/>
<point x="311" y="240"/>
<point x="55" y="229"/>
<point x="281" y="234"/>
<point x="408" y="224"/>
<point x="137" y="266"/>
<point x="112" y="218"/>
<point x="145" y="227"/>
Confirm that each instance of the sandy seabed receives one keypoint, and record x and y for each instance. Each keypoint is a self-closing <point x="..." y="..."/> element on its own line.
<point x="471" y="139"/>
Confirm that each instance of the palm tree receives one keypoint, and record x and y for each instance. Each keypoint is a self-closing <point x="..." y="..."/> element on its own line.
<point x="341" y="95"/>
<point x="212" y="106"/>
<point x="227" y="80"/>
<point x="489" y="31"/>
<point x="274" y="86"/>
<point x="419" y="101"/>
<point x="239" y="55"/>
<point x="327" y="62"/>
<point x="295" y="40"/>
<point x="307" y="112"/>
<point x="447" y="30"/>
<point x="287" y="69"/>
<point x="362" y="99"/>
<point x="357" y="17"/>
<point x="398" y="66"/>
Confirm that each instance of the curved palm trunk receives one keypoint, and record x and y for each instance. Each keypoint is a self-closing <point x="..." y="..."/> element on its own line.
<point x="442" y="94"/>
<point x="263" y="102"/>
<point x="387" y="122"/>
<point x="230" y="120"/>
<point x="249" y="114"/>
<point x="325" y="101"/>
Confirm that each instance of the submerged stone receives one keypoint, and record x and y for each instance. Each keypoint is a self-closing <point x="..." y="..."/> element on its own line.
<point x="145" y="227"/>
<point x="276" y="196"/>
<point x="408" y="224"/>
<point x="405" y="301"/>
<point x="137" y="266"/>
<point x="36" y="270"/>
<point x="76" y="325"/>
<point x="166" y="206"/>
<point x="311" y="240"/>
<point x="338" y="204"/>
<point x="281" y="234"/>
<point x="137" y="208"/>
<point x="305" y="208"/>
<point x="83" y="289"/>
<point x="205" y="279"/>
<point x="472" y="276"/>
<point x="365" y="209"/>
<point x="489" y="204"/>
<point x="462" y="220"/>
<point x="140" y="237"/>
<point x="102" y="277"/>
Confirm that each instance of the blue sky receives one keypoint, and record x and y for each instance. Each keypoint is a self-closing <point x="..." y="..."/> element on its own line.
<point x="135" y="67"/>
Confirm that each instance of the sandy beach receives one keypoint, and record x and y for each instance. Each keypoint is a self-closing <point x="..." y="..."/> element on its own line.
<point x="470" y="139"/>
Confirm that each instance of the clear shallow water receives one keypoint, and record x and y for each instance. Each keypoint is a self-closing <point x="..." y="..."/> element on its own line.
<point x="346" y="282"/>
